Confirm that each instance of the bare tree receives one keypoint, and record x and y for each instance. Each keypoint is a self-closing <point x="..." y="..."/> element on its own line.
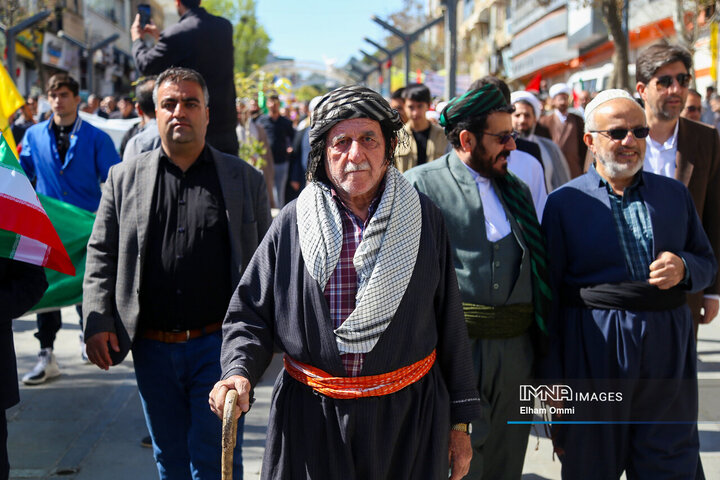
<point x="612" y="11"/>
<point x="693" y="11"/>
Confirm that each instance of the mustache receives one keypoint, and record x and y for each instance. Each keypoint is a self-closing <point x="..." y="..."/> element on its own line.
<point x="357" y="167"/>
<point x="504" y="154"/>
<point x="674" y="97"/>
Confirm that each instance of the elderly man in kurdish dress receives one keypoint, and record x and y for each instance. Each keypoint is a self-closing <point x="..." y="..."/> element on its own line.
<point x="355" y="284"/>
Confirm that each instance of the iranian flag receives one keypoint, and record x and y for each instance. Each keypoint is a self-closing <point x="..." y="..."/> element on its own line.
<point x="26" y="232"/>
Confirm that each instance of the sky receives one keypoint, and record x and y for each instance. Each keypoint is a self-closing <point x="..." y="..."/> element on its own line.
<point x="312" y="30"/>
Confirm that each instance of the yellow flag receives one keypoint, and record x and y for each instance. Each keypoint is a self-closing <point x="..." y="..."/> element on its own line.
<point x="10" y="100"/>
<point x="714" y="51"/>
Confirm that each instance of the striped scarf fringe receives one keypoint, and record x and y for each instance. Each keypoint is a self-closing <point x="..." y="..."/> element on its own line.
<point x="522" y="209"/>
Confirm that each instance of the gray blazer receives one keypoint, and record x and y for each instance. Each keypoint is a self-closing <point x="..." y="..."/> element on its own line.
<point x="117" y="246"/>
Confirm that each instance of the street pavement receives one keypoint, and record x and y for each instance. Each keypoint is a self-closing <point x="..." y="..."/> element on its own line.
<point x="87" y="423"/>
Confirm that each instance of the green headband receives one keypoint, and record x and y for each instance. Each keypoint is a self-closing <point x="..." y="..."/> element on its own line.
<point x="471" y="104"/>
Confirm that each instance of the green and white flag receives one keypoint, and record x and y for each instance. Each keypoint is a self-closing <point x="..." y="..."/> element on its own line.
<point x="38" y="230"/>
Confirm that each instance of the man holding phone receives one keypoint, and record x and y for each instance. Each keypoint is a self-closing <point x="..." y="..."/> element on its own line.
<point x="200" y="41"/>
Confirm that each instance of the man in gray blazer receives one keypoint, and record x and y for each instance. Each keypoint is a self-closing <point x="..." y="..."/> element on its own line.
<point x="175" y="229"/>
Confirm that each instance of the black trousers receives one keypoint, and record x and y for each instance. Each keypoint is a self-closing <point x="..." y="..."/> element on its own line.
<point x="48" y="325"/>
<point x="4" y="462"/>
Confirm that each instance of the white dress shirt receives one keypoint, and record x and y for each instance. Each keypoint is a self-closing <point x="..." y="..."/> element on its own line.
<point x="528" y="169"/>
<point x="497" y="225"/>
<point x="660" y="157"/>
<point x="560" y="116"/>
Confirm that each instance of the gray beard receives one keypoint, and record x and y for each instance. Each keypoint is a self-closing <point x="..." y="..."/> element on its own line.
<point x="618" y="170"/>
<point x="664" y="115"/>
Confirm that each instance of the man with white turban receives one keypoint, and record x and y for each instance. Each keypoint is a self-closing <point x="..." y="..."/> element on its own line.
<point x="626" y="246"/>
<point x="527" y="111"/>
<point x="566" y="128"/>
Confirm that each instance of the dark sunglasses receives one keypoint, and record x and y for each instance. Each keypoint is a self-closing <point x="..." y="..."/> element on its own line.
<point x="503" y="137"/>
<point x="683" y="80"/>
<point x="621" y="133"/>
<point x="693" y="108"/>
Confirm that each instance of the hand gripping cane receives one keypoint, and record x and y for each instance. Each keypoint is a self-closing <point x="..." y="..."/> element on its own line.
<point x="229" y="434"/>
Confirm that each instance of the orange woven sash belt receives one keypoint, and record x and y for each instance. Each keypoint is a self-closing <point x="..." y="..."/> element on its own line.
<point x="358" y="387"/>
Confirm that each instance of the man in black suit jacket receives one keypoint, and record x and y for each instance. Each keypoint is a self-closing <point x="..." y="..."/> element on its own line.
<point x="21" y="286"/>
<point x="175" y="229"/>
<point x="204" y="43"/>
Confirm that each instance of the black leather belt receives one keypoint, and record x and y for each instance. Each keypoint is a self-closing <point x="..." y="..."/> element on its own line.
<point x="183" y="336"/>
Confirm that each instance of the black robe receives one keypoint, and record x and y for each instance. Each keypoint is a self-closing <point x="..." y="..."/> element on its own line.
<point x="278" y="305"/>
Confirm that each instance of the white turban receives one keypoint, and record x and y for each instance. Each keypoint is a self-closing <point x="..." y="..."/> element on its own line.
<point x="559" y="88"/>
<point x="432" y="115"/>
<point x="606" y="96"/>
<point x="523" y="96"/>
<point x="440" y="106"/>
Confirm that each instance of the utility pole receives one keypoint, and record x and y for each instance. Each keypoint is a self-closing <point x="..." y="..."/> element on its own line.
<point x="450" y="48"/>
<point x="11" y="34"/>
<point x="407" y="38"/>
<point x="390" y="54"/>
<point x="379" y="63"/>
<point x="90" y="52"/>
<point x="359" y="70"/>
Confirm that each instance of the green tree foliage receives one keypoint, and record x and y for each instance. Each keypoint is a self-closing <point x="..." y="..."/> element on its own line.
<point x="306" y="93"/>
<point x="250" y="39"/>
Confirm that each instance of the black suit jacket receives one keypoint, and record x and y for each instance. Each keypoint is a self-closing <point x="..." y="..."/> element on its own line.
<point x="204" y="43"/>
<point x="117" y="245"/>
<point x="21" y="286"/>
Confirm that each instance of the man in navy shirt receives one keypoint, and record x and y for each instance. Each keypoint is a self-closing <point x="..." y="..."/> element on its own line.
<point x="67" y="159"/>
<point x="280" y="134"/>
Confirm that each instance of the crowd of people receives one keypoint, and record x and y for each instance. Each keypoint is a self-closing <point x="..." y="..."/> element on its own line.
<point x="427" y="263"/>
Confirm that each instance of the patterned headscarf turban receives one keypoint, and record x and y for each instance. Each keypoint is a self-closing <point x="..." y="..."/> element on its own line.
<point x="350" y="102"/>
<point x="346" y="103"/>
<point x="471" y="104"/>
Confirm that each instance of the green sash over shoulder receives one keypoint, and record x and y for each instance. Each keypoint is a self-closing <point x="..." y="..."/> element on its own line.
<point x="522" y="209"/>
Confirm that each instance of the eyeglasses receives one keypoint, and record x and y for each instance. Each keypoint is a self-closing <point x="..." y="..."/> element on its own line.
<point x="503" y="137"/>
<point x="666" y="81"/>
<point x="621" y="133"/>
<point x="693" y="109"/>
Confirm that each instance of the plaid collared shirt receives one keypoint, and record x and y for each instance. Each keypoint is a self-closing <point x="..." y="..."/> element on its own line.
<point x="342" y="287"/>
<point x="634" y="229"/>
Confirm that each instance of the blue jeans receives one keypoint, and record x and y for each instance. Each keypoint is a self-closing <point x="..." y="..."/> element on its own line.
<point x="174" y="380"/>
<point x="281" y="178"/>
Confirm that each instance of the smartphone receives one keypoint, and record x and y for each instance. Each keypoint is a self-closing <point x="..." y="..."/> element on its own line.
<point x="145" y="13"/>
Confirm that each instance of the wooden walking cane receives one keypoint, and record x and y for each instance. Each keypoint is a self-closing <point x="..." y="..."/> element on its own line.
<point x="229" y="434"/>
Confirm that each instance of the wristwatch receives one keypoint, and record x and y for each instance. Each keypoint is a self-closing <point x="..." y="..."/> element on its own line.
<point x="462" y="427"/>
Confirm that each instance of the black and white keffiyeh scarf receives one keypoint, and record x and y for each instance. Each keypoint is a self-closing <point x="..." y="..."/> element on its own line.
<point x="384" y="260"/>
